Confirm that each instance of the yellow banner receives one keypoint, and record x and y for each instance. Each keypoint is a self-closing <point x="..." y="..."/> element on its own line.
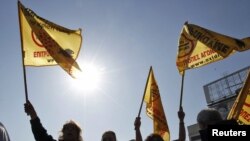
<point x="45" y="43"/>
<point x="199" y="46"/>
<point x="244" y="117"/>
<point x="154" y="107"/>
<point x="241" y="107"/>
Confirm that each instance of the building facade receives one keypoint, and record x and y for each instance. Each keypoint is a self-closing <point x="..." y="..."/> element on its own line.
<point x="221" y="94"/>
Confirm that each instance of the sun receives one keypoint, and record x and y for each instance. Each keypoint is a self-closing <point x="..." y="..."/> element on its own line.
<point x="89" y="79"/>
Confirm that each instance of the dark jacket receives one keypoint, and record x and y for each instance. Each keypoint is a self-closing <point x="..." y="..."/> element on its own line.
<point x="39" y="132"/>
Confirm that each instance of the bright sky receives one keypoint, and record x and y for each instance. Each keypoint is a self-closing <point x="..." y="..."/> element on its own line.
<point x="122" y="39"/>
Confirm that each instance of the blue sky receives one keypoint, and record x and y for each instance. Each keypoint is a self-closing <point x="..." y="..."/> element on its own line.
<point x="122" y="38"/>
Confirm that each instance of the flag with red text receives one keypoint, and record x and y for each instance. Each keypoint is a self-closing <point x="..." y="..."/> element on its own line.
<point x="199" y="46"/>
<point x="45" y="43"/>
<point x="241" y="107"/>
<point x="154" y="107"/>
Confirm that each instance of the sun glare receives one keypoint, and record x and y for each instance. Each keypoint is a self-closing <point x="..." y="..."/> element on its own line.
<point x="89" y="79"/>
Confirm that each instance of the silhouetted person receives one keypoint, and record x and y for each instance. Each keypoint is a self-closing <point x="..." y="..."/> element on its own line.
<point x="208" y="117"/>
<point x="138" y="136"/>
<point x="109" y="136"/>
<point x="70" y="131"/>
<point x="4" y="136"/>
<point x="154" y="137"/>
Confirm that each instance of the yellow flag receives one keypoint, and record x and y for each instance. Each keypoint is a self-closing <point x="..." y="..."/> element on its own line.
<point x="154" y="107"/>
<point x="45" y="43"/>
<point x="241" y="107"/>
<point x="199" y="46"/>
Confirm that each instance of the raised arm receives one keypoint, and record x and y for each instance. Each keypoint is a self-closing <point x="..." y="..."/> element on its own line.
<point x="39" y="132"/>
<point x="182" y="131"/>
<point x="30" y="110"/>
<point x="137" y="125"/>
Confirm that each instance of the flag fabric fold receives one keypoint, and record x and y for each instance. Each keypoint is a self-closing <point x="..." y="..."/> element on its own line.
<point x="199" y="46"/>
<point x="241" y="107"/>
<point x="154" y="107"/>
<point x="45" y="43"/>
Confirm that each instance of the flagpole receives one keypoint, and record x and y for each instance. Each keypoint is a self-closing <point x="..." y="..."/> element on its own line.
<point x="182" y="80"/>
<point x="182" y="85"/>
<point x="24" y="78"/>
<point x="24" y="69"/>
<point x="144" y="92"/>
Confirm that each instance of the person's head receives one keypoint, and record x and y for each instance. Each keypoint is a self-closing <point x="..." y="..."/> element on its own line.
<point x="154" y="137"/>
<point x="208" y="117"/>
<point x="71" y="131"/>
<point x="109" y="136"/>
